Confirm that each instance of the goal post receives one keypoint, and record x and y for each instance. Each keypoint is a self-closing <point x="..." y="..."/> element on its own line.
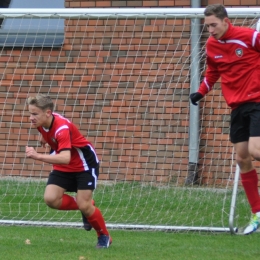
<point x="123" y="76"/>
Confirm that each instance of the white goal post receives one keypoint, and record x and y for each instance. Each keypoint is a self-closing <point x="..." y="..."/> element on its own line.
<point x="123" y="76"/>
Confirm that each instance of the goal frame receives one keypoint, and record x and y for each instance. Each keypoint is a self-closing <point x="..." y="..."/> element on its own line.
<point x="135" y="13"/>
<point x="93" y="13"/>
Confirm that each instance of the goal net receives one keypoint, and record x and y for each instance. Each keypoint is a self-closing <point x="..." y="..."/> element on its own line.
<point x="123" y="76"/>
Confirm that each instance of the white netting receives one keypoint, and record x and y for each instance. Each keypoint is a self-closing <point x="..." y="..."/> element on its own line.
<point x="125" y="82"/>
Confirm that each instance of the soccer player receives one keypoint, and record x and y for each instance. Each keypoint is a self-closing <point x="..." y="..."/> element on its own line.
<point x="75" y="165"/>
<point x="233" y="53"/>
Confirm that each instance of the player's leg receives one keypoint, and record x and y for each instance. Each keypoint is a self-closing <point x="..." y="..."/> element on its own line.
<point x="86" y="224"/>
<point x="254" y="147"/>
<point x="254" y="132"/>
<point x="249" y="179"/>
<point x="53" y="196"/>
<point x="242" y="125"/>
<point x="86" y="184"/>
<point x="254" y="151"/>
<point x="94" y="217"/>
<point x="243" y="157"/>
<point x="57" y="184"/>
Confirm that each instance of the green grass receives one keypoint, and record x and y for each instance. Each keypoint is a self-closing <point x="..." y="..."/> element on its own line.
<point x="68" y="244"/>
<point x="126" y="203"/>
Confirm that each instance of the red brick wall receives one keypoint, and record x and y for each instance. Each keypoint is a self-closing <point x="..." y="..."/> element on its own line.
<point x="140" y="132"/>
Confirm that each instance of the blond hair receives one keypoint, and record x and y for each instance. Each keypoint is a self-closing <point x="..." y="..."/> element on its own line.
<point x="41" y="101"/>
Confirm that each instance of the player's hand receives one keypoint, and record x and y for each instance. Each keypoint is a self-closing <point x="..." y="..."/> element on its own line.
<point x="31" y="153"/>
<point x="195" y="97"/>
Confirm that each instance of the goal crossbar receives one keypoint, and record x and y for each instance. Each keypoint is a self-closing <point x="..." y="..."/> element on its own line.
<point x="121" y="13"/>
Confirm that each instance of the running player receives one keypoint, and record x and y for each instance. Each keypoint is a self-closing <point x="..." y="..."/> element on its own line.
<point x="75" y="165"/>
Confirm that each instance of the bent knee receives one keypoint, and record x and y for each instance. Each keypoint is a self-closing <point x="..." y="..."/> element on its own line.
<point x="245" y="164"/>
<point x="51" y="201"/>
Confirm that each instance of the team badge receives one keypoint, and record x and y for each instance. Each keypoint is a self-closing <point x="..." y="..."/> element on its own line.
<point x="239" y="52"/>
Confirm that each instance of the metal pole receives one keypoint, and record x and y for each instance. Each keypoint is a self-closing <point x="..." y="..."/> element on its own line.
<point x="194" y="110"/>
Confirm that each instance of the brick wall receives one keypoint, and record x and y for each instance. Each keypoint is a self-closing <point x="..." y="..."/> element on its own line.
<point x="140" y="131"/>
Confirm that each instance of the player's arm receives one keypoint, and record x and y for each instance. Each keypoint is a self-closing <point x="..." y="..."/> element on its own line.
<point x="256" y="41"/>
<point x="61" y="158"/>
<point x="211" y="76"/>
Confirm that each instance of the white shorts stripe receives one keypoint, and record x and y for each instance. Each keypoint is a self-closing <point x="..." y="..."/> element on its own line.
<point x="94" y="176"/>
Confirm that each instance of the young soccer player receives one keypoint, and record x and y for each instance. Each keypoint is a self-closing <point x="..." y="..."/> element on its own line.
<point x="233" y="53"/>
<point x="75" y="165"/>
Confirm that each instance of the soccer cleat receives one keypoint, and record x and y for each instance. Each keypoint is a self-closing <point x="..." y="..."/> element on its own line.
<point x="253" y="224"/>
<point x="86" y="224"/>
<point x="104" y="241"/>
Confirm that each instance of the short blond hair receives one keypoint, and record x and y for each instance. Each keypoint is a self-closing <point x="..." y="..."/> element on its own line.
<point x="41" y="101"/>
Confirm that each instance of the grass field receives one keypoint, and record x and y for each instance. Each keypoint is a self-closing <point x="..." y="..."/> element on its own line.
<point x="69" y="244"/>
<point x="127" y="203"/>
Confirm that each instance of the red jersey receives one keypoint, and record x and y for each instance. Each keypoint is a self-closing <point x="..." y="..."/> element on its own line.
<point x="235" y="57"/>
<point x="64" y="135"/>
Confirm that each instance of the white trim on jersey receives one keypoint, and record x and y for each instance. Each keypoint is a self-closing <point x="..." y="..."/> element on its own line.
<point x="254" y="38"/>
<point x="234" y="41"/>
<point x="46" y="129"/>
<point x="61" y="128"/>
<point x="206" y="83"/>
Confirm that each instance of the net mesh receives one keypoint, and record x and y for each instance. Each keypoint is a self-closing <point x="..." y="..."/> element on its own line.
<point x="125" y="83"/>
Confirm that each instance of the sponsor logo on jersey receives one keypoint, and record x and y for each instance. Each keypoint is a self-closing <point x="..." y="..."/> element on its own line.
<point x="239" y="52"/>
<point x="218" y="56"/>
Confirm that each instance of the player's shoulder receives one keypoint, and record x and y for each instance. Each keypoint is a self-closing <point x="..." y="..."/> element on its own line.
<point x="60" y="120"/>
<point x="59" y="117"/>
<point x="240" y="31"/>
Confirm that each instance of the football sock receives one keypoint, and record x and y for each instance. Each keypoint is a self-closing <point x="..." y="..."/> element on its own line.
<point x="97" y="221"/>
<point x="68" y="203"/>
<point x="250" y="184"/>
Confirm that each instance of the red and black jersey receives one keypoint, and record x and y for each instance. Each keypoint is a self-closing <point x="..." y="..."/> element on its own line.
<point x="235" y="57"/>
<point x="64" y="135"/>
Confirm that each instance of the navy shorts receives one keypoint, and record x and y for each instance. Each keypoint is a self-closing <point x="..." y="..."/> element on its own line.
<point x="245" y="122"/>
<point x="74" y="181"/>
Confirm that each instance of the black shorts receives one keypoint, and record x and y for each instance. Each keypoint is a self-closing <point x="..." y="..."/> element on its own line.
<point x="245" y="122"/>
<point x="74" y="181"/>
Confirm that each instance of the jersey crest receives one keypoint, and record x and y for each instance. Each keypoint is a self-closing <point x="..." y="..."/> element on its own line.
<point x="239" y="52"/>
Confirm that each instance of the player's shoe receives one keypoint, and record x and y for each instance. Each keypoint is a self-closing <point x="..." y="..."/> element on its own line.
<point x="253" y="224"/>
<point x="86" y="224"/>
<point x="104" y="241"/>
